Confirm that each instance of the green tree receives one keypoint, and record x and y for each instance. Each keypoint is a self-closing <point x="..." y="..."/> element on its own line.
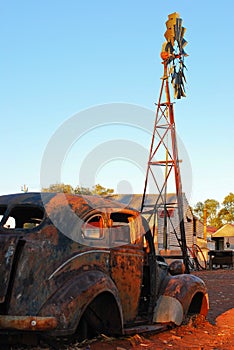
<point x="101" y="191"/>
<point x="199" y="210"/>
<point x="211" y="206"/>
<point x="226" y="214"/>
<point x="66" y="188"/>
<point x="59" y="187"/>
<point x="82" y="190"/>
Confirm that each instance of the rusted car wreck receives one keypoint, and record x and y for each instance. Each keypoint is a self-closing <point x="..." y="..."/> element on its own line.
<point x="85" y="265"/>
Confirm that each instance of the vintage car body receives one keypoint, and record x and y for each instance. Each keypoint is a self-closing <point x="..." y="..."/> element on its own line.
<point x="85" y="265"/>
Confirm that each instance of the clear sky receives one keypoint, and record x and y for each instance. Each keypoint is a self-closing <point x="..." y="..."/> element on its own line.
<point x="60" y="57"/>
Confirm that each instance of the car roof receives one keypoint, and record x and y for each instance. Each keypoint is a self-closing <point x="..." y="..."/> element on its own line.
<point x="82" y="204"/>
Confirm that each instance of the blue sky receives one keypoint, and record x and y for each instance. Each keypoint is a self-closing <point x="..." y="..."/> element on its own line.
<point x="61" y="57"/>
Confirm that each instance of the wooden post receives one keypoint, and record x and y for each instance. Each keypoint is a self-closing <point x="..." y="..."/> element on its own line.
<point x="205" y="223"/>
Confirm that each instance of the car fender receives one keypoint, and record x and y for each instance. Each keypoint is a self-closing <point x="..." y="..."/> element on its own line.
<point x="177" y="295"/>
<point x="69" y="302"/>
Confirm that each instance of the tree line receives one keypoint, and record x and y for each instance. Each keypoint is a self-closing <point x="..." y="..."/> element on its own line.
<point x="66" y="188"/>
<point x="217" y="214"/>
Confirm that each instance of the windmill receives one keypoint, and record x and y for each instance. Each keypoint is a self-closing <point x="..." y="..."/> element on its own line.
<point x="163" y="150"/>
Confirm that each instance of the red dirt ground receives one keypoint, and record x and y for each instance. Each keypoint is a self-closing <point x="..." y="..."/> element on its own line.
<point x="216" y="332"/>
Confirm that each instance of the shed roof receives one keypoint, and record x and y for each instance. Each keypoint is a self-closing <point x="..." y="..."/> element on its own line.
<point x="134" y="200"/>
<point x="225" y="231"/>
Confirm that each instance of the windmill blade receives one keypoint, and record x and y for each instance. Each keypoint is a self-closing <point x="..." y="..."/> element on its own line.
<point x="171" y="71"/>
<point x="178" y="81"/>
<point x="179" y="35"/>
<point x="172" y="17"/>
<point x="170" y="24"/>
<point x="179" y="91"/>
<point x="183" y="43"/>
<point x="169" y="35"/>
<point x="183" y="76"/>
<point x="169" y="47"/>
<point x="178" y="29"/>
<point x="183" y="30"/>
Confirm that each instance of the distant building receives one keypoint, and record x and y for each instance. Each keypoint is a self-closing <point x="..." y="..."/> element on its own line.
<point x="224" y="238"/>
<point x="210" y="231"/>
<point x="194" y="229"/>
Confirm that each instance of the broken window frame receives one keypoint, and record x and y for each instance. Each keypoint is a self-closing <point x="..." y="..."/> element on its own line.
<point x="16" y="213"/>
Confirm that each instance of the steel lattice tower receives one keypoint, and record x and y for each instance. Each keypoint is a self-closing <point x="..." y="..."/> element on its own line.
<point x="163" y="153"/>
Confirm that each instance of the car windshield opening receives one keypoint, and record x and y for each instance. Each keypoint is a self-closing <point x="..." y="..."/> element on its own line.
<point x="24" y="217"/>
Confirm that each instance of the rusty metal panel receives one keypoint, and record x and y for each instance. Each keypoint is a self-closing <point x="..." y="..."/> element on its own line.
<point x="168" y="310"/>
<point x="29" y="323"/>
<point x="127" y="272"/>
<point x="71" y="299"/>
<point x="7" y="251"/>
